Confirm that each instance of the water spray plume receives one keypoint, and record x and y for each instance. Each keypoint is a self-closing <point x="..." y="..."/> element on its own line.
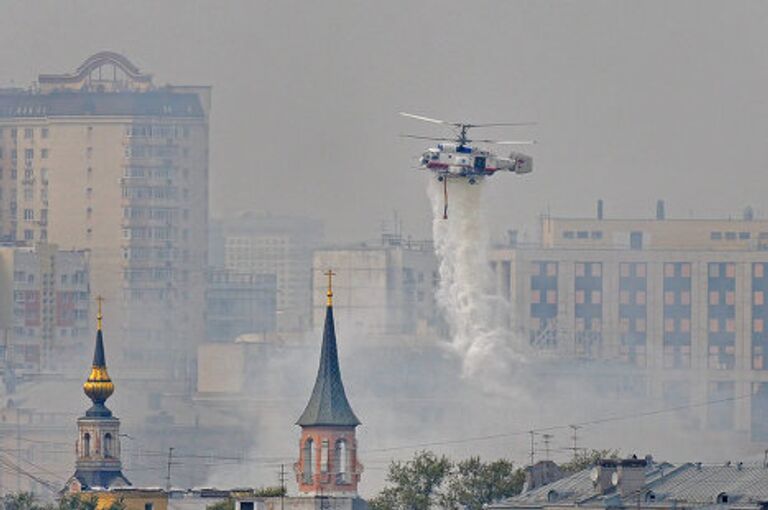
<point x="465" y="291"/>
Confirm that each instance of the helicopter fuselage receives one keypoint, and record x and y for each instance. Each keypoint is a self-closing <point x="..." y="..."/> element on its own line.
<point x="451" y="160"/>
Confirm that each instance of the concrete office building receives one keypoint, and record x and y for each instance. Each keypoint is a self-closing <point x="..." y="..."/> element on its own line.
<point x="684" y="301"/>
<point x="270" y="244"/>
<point x="386" y="288"/>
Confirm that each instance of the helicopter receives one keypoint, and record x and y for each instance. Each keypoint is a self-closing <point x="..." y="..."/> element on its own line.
<point x="455" y="158"/>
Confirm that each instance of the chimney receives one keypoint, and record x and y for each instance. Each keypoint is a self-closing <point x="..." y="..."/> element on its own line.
<point x="660" y="214"/>
<point x="602" y="475"/>
<point x="630" y="476"/>
<point x="600" y="209"/>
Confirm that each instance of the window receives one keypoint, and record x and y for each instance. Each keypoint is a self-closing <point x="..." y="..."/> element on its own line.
<point x="108" y="448"/>
<point x="636" y="241"/>
<point x="86" y="445"/>
<point x="14" y="133"/>
<point x="730" y="236"/>
<point x="29" y="214"/>
<point x="29" y="154"/>
<point x="29" y="235"/>
<point x="342" y="461"/>
<point x="582" y="234"/>
<point x="28" y="133"/>
<point x="44" y="132"/>
<point x="148" y="506"/>
<point x="744" y="235"/>
<point x="715" y="236"/>
<point x="44" y="153"/>
<point x="309" y="460"/>
<point x="324" y="456"/>
<point x="569" y="234"/>
<point x="597" y="234"/>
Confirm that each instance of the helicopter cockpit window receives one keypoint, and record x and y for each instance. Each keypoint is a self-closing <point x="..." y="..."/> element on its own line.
<point x="435" y="156"/>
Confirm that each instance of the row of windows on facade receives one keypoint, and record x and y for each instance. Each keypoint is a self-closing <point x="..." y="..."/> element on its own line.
<point x="155" y="213"/>
<point x="339" y="464"/>
<point x="733" y="236"/>
<point x="158" y="192"/>
<point x="155" y="151"/>
<point x="29" y="174"/>
<point x="715" y="235"/>
<point x="29" y="154"/>
<point x="166" y="171"/>
<point x="582" y="234"/>
<point x="63" y="315"/>
<point x="154" y="252"/>
<point x="160" y="233"/>
<point x="76" y="278"/>
<point x="28" y="132"/>
<point x="638" y="269"/>
<point x="20" y="331"/>
<point x="155" y="274"/>
<point x="157" y="131"/>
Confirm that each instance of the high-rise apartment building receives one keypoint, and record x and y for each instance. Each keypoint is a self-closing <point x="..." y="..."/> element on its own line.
<point x="682" y="301"/>
<point x="270" y="244"/>
<point x="103" y="159"/>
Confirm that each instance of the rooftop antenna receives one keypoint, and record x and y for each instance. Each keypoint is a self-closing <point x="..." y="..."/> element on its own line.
<point x="575" y="439"/>
<point x="533" y="448"/>
<point x="547" y="438"/>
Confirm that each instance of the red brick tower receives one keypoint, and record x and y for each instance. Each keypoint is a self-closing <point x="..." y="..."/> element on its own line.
<point x="328" y="463"/>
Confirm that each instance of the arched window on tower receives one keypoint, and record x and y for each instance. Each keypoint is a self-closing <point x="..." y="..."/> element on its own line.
<point x="86" y="445"/>
<point x="309" y="460"/>
<point x="342" y="462"/>
<point x="324" y="456"/>
<point x="108" y="445"/>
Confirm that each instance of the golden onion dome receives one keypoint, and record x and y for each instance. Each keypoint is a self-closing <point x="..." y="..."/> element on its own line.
<point x="99" y="386"/>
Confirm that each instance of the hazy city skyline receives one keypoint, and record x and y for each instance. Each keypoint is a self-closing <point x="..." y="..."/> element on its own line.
<point x="633" y="101"/>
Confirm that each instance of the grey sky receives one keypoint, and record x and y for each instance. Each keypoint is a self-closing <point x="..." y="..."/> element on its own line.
<point x="635" y="100"/>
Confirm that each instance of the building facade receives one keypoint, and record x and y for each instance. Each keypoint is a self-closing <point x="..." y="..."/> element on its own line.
<point x="239" y="304"/>
<point x="683" y="301"/>
<point x="44" y="304"/>
<point x="386" y="288"/>
<point x="267" y="244"/>
<point x="102" y="159"/>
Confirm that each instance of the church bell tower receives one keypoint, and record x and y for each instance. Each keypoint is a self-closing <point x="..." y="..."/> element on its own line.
<point x="328" y="463"/>
<point x="98" y="444"/>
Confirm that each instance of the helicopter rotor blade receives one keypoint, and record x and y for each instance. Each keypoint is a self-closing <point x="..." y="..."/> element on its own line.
<point x="507" y="142"/>
<point x="427" y="119"/>
<point x="501" y="124"/>
<point x="432" y="138"/>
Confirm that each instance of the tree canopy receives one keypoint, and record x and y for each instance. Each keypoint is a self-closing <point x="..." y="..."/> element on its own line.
<point x="430" y="481"/>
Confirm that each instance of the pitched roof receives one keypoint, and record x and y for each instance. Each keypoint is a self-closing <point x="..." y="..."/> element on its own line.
<point x="101" y="479"/>
<point x="328" y="404"/>
<point x="686" y="484"/>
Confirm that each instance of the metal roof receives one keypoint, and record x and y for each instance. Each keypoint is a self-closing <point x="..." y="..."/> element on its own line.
<point x="668" y="485"/>
<point x="328" y="405"/>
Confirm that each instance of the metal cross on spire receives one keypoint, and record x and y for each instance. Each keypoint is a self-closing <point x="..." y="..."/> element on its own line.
<point x="99" y="315"/>
<point x="330" y="274"/>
